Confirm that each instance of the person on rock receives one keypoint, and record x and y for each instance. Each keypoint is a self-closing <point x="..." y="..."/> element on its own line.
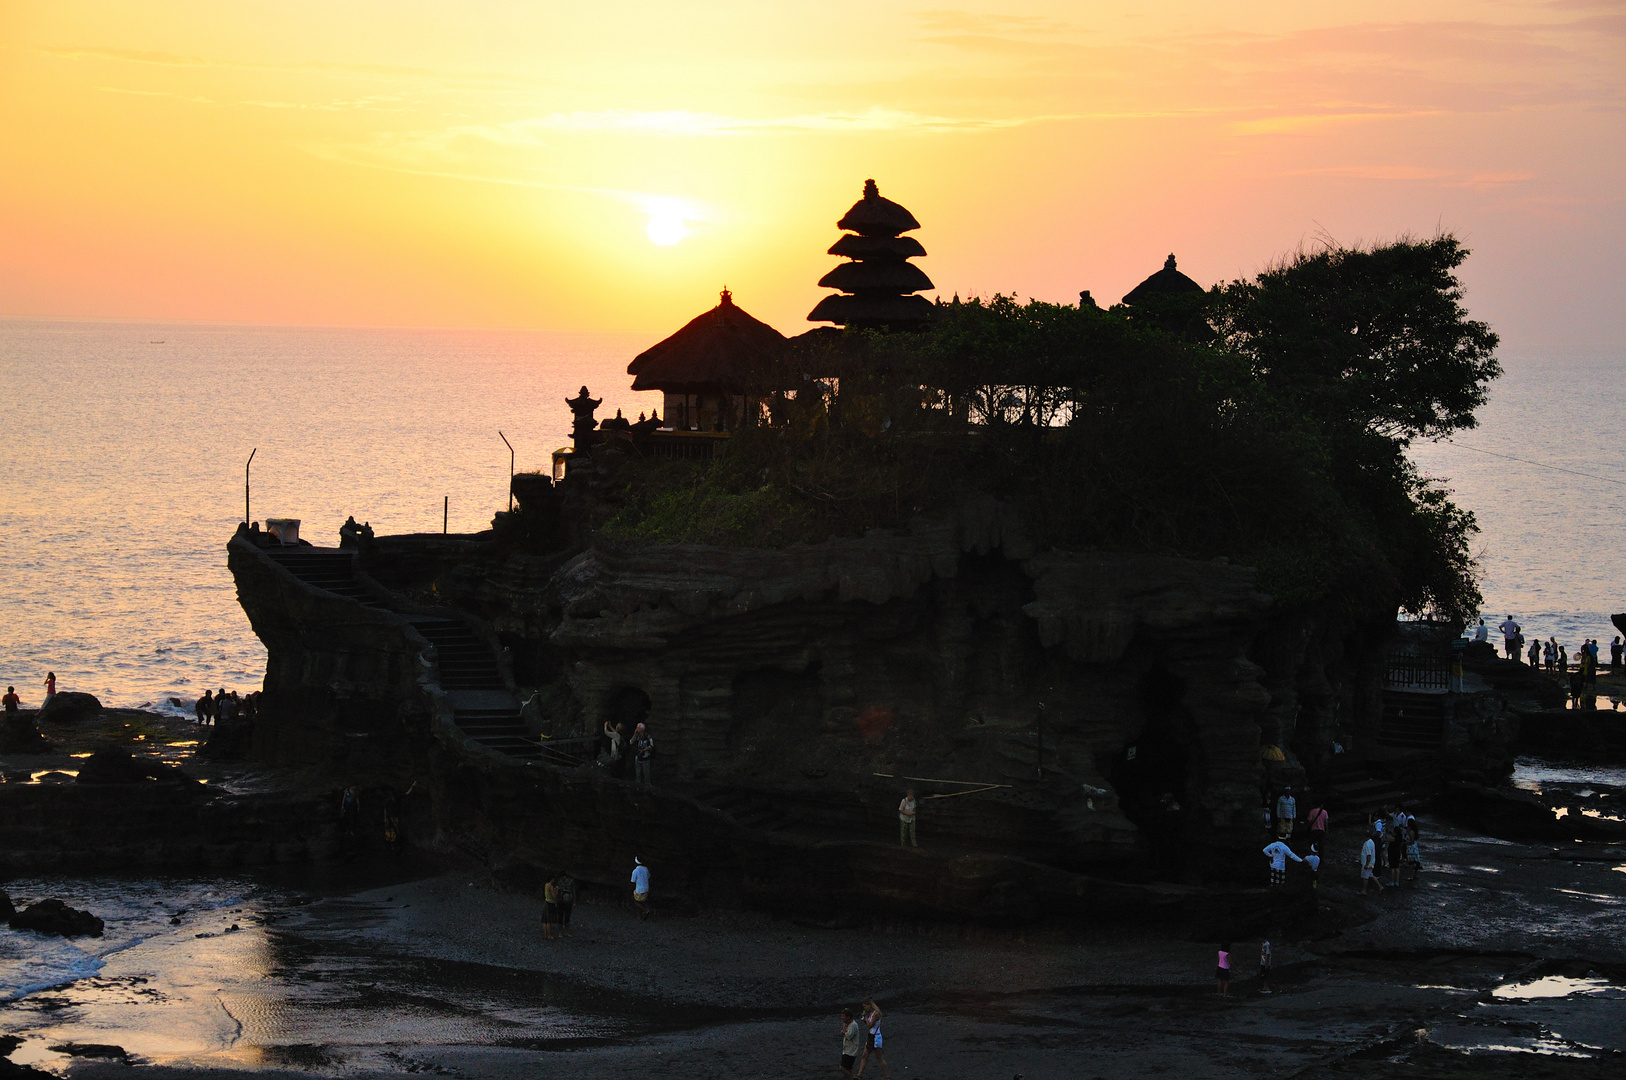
<point x="205" y="708"/>
<point x="1279" y="853"/>
<point x="12" y="702"/>
<point x="906" y="820"/>
<point x="50" y="687"/>
<point x="1509" y="629"/>
<point x="640" y="887"/>
<point x="643" y="750"/>
<point x="1481" y="632"/>
<point x="1617" y="655"/>
<point x="1287" y="812"/>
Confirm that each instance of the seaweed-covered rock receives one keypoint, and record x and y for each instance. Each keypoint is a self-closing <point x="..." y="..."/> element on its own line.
<point x="69" y="705"/>
<point x="55" y="917"/>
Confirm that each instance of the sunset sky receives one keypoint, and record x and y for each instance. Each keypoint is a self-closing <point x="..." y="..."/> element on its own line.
<point x="513" y="164"/>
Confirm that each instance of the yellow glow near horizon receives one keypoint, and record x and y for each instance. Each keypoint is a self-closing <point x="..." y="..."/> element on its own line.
<point x="518" y="164"/>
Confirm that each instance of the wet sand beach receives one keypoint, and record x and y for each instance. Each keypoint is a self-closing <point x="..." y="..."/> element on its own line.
<point x="1507" y="951"/>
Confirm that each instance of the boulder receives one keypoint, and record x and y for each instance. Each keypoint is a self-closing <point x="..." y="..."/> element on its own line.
<point x="18" y="735"/>
<point x="55" y="917"/>
<point x="115" y="766"/>
<point x="70" y="705"/>
<point x="6" y="909"/>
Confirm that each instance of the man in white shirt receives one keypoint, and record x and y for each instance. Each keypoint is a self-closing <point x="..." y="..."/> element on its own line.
<point x="1279" y="854"/>
<point x="1481" y="633"/>
<point x="1510" y="630"/>
<point x="1369" y="863"/>
<point x="1287" y="813"/>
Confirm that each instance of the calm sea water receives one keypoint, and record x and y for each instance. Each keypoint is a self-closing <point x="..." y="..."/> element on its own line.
<point x="122" y="448"/>
<point x="121" y="477"/>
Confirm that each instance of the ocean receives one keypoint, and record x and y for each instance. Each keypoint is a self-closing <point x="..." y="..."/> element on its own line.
<point x="122" y="452"/>
<point x="124" y="443"/>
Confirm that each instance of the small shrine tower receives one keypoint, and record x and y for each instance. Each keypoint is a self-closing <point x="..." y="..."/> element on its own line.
<point x="878" y="284"/>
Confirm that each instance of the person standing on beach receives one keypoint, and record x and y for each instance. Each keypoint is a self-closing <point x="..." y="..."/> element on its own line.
<point x="1278" y="854"/>
<point x="906" y="820"/>
<point x="1369" y="862"/>
<point x="640" y="887"/>
<point x="550" y="909"/>
<point x="1509" y="629"/>
<point x="1317" y="821"/>
<point x="852" y="1041"/>
<point x="1222" y="973"/>
<point x="567" y="902"/>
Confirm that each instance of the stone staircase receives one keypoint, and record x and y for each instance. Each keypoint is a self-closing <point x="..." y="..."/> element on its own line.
<point x="1412" y="721"/>
<point x="483" y="706"/>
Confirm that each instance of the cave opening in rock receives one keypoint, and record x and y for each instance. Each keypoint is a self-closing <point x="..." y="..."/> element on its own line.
<point x="627" y="705"/>
<point x="1152" y="773"/>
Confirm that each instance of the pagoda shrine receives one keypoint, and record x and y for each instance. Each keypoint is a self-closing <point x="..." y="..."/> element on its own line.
<point x="878" y="282"/>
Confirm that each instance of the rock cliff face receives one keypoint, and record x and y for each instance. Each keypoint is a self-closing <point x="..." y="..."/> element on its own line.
<point x="1063" y="715"/>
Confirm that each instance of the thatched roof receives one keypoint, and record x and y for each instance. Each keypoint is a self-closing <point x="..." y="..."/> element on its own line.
<point x="725" y="347"/>
<point x="877" y="247"/>
<point x="897" y="311"/>
<point x="875" y="216"/>
<point x="877" y="276"/>
<point x="1167" y="281"/>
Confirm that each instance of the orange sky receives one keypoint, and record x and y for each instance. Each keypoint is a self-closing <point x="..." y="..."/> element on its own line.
<point x="499" y="164"/>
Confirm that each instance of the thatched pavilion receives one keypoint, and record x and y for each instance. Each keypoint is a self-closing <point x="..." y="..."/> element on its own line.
<point x="1166" y="282"/>
<point x="878" y="284"/>
<point x="712" y="371"/>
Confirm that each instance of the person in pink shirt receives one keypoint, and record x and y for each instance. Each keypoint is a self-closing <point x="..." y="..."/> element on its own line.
<point x="1222" y="973"/>
<point x="50" y="685"/>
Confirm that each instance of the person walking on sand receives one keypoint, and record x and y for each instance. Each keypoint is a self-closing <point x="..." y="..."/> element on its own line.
<point x="1222" y="973"/>
<point x="1264" y="966"/>
<point x="640" y="887"/>
<point x="906" y="820"/>
<point x="1369" y="862"/>
<point x="852" y="1041"/>
<point x="1278" y="854"/>
<point x="872" y="1022"/>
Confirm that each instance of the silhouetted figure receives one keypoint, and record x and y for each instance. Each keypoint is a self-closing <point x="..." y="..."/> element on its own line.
<point x="205" y="708"/>
<point x="1615" y="651"/>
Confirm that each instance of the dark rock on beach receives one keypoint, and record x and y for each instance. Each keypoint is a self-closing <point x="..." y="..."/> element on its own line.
<point x="55" y="917"/>
<point x="69" y="705"/>
<point x="18" y="735"/>
<point x="116" y="766"/>
<point x="6" y="908"/>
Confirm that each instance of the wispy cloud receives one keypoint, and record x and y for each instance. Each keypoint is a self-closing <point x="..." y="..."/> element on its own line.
<point x="683" y="122"/>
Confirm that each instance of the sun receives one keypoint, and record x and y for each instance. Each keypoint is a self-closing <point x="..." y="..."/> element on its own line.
<point x="665" y="227"/>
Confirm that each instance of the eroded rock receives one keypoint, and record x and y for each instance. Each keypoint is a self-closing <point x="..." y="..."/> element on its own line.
<point x="56" y="917"/>
<point x="69" y="705"/>
<point x="115" y="766"/>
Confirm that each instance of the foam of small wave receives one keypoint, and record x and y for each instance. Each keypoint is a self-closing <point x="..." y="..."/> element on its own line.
<point x="33" y="962"/>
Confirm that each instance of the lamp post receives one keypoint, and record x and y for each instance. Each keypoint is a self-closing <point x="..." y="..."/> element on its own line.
<point x="246" y="516"/>
<point x="510" y="446"/>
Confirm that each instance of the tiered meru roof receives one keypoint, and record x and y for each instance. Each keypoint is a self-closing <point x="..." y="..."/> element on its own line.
<point x="724" y="348"/>
<point x="877" y="285"/>
<point x="1166" y="282"/>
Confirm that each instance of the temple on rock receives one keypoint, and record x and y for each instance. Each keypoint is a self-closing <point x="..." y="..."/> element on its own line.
<point x="878" y="282"/>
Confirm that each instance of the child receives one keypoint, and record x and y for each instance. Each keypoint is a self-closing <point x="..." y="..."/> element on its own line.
<point x="1264" y="966"/>
<point x="1313" y="861"/>
<point x="1414" y="855"/>
<point x="1222" y="973"/>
